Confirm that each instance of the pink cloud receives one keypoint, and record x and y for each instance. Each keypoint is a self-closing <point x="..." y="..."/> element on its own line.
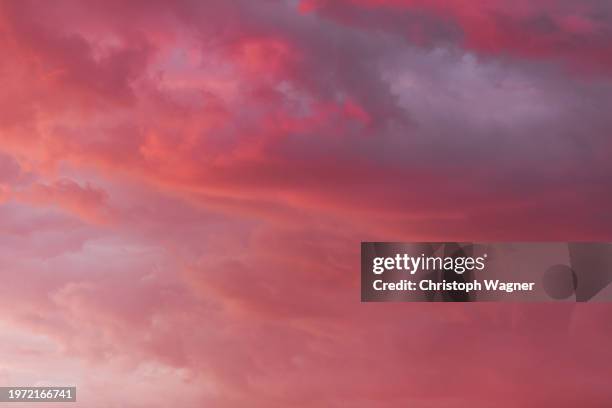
<point x="184" y="186"/>
<point x="86" y="202"/>
<point x="574" y="33"/>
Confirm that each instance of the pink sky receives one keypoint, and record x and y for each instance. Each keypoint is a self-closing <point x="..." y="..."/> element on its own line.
<point x="184" y="186"/>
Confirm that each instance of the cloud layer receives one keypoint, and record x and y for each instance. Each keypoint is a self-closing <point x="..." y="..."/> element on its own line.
<point x="184" y="186"/>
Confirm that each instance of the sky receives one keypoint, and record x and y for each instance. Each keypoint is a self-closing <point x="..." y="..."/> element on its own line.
<point x="184" y="186"/>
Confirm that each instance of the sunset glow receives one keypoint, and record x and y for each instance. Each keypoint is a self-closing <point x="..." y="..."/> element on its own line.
<point x="184" y="186"/>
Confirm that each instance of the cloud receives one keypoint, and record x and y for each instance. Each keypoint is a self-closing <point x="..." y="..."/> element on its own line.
<point x="87" y="202"/>
<point x="184" y="186"/>
<point x="567" y="32"/>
